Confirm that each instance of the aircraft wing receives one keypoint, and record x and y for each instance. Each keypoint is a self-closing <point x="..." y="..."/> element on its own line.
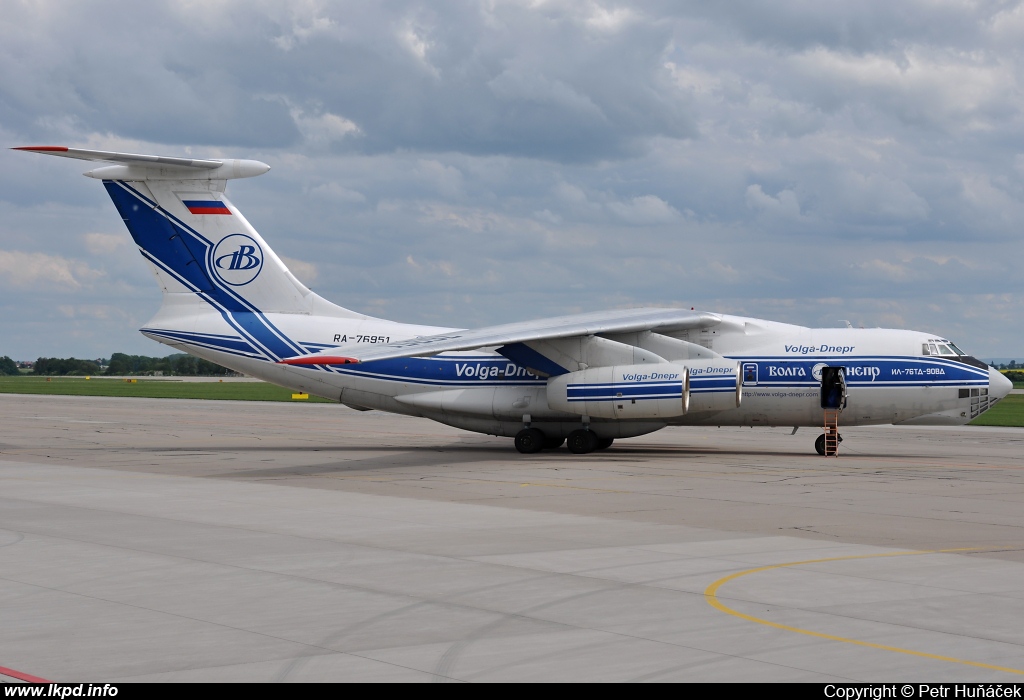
<point x="620" y="321"/>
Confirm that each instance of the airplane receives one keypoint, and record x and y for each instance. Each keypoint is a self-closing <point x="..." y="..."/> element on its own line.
<point x="585" y="379"/>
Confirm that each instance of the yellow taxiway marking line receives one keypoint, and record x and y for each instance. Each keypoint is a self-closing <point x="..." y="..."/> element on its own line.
<point x="711" y="596"/>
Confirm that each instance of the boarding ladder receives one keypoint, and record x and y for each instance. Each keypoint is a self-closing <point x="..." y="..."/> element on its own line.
<point x="832" y="431"/>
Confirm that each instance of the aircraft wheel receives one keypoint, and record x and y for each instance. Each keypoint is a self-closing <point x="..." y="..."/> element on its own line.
<point x="553" y="443"/>
<point x="819" y="444"/>
<point x="530" y="440"/>
<point x="581" y="442"/>
<point x="604" y="443"/>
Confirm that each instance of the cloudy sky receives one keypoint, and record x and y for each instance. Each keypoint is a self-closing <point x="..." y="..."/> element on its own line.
<point x="467" y="163"/>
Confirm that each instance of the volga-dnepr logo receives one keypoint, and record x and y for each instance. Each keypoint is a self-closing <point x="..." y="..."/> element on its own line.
<point x="237" y="260"/>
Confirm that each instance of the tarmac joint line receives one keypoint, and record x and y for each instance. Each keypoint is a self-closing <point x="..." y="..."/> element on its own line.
<point x="711" y="596"/>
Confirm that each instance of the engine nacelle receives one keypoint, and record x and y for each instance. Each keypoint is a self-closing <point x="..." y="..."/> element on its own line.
<point x="715" y="385"/>
<point x="660" y="390"/>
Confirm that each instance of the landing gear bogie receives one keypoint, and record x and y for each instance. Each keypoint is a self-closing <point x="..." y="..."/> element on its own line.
<point x="582" y="441"/>
<point x="530" y="440"/>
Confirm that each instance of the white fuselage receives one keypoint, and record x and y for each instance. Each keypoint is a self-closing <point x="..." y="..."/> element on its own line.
<point x="888" y="377"/>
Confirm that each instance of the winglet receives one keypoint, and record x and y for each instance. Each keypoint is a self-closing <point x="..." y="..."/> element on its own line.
<point x="319" y="360"/>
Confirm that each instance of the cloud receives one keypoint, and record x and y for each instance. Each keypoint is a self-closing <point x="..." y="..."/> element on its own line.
<point x="784" y="205"/>
<point x="465" y="163"/>
<point x="325" y="128"/>
<point x="647" y="209"/>
<point x="468" y="79"/>
<point x="106" y="243"/>
<point x="28" y="271"/>
<point x="874" y="197"/>
<point x="334" y="192"/>
<point x="306" y="272"/>
<point x="94" y="312"/>
<point x="305" y="19"/>
<point x="445" y="267"/>
<point x="413" y="39"/>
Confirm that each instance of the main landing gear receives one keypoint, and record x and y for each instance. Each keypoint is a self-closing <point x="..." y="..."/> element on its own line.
<point x="532" y="440"/>
<point x="581" y="442"/>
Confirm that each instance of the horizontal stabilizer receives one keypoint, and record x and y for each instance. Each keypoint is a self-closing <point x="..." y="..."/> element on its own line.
<point x="137" y="166"/>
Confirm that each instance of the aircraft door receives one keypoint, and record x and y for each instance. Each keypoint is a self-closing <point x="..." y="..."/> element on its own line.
<point x="833" y="387"/>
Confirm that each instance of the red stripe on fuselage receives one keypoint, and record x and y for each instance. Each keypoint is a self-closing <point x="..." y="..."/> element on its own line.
<point x="319" y="360"/>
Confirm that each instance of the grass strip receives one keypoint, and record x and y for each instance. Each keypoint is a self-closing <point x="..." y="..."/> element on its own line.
<point x="1008" y="413"/>
<point x="150" y="389"/>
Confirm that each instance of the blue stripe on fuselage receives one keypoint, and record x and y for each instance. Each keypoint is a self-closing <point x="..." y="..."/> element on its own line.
<point x="447" y="371"/>
<point x="184" y="253"/>
<point x="879" y="370"/>
<point x="485" y="370"/>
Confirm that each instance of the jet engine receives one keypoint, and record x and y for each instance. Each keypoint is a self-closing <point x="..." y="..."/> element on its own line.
<point x="658" y="390"/>
<point x="715" y="385"/>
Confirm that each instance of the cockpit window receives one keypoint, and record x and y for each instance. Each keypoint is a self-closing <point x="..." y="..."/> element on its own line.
<point x="933" y="349"/>
<point x="924" y="349"/>
<point x="957" y="350"/>
<point x="945" y="349"/>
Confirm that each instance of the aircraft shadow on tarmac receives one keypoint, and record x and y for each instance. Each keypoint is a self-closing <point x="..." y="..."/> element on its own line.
<point x="456" y="455"/>
<point x="498" y="450"/>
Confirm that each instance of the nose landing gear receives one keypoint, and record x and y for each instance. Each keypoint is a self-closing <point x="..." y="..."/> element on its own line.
<point x="819" y="444"/>
<point x="833" y="401"/>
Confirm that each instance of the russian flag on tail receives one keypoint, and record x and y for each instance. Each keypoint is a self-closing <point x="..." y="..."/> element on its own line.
<point x="199" y="206"/>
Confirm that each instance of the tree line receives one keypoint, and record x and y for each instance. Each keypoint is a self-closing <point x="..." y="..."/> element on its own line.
<point x="1015" y="375"/>
<point x="181" y="365"/>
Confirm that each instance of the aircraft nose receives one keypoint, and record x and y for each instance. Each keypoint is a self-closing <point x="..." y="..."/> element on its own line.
<point x="998" y="385"/>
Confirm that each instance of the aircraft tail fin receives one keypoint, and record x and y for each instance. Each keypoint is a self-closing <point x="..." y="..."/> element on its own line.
<point x="196" y="241"/>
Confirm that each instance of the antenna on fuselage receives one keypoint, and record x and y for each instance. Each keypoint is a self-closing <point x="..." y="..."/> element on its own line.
<point x="848" y="324"/>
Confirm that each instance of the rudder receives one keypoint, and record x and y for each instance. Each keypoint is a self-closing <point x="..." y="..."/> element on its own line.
<point x="193" y="235"/>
